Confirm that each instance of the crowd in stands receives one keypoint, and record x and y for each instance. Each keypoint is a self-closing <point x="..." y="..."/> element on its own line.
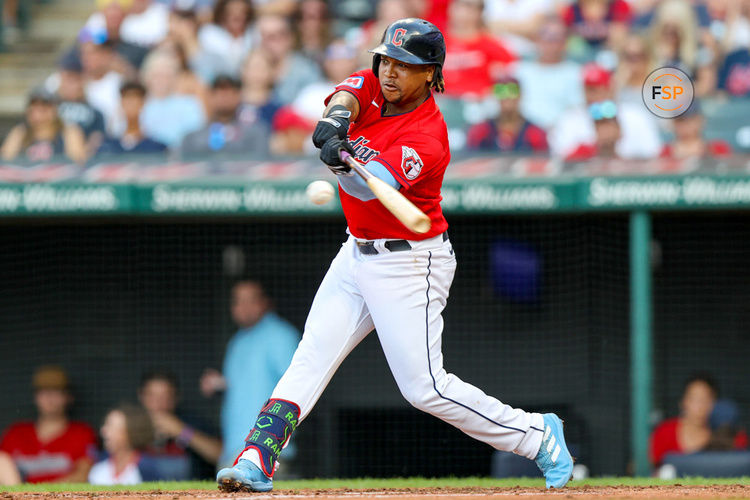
<point x="551" y="77"/>
<point x="148" y="437"/>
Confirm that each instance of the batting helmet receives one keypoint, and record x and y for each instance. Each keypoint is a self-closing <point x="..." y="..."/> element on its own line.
<point x="413" y="41"/>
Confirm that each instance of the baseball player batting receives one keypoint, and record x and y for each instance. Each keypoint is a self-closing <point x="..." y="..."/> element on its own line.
<point x="386" y="277"/>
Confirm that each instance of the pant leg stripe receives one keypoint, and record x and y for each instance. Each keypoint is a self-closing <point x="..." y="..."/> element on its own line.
<point x="429" y="362"/>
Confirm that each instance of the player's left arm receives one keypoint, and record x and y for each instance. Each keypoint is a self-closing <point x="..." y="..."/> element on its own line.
<point x="356" y="186"/>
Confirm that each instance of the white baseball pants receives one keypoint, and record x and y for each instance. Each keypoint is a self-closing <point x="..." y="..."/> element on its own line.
<point x="402" y="295"/>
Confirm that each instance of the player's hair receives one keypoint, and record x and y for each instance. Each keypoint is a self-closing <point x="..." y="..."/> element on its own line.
<point x="164" y="375"/>
<point x="704" y="377"/>
<point x="438" y="82"/>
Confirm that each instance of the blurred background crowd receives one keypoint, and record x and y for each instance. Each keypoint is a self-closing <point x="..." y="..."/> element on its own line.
<point x="552" y="77"/>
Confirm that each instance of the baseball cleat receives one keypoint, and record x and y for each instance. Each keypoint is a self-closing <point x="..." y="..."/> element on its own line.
<point x="553" y="458"/>
<point x="243" y="476"/>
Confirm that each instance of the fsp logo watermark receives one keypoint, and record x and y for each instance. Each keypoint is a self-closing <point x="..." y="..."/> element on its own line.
<point x="668" y="92"/>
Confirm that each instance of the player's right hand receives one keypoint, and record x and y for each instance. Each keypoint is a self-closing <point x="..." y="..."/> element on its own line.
<point x="336" y="124"/>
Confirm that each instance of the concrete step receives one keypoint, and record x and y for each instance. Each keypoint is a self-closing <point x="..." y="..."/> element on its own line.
<point x="34" y="56"/>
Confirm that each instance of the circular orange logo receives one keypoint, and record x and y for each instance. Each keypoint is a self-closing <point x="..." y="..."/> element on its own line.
<point x="668" y="92"/>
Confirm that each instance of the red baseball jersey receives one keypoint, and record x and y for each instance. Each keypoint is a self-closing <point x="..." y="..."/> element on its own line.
<point x="40" y="462"/>
<point x="413" y="146"/>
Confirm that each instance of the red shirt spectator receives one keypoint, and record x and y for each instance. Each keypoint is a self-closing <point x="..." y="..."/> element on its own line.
<point x="592" y="20"/>
<point x="52" y="448"/>
<point x="510" y="131"/>
<point x="665" y="440"/>
<point x="472" y="64"/>
<point x="473" y="57"/>
<point x="42" y="461"/>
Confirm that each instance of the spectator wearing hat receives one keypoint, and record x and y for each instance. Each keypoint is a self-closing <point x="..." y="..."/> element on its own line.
<point x="43" y="135"/>
<point x="52" y="448"/>
<point x="473" y="56"/>
<point x="291" y="133"/>
<point x="607" y="134"/>
<point x="228" y="130"/>
<point x="542" y="103"/>
<point x="132" y="98"/>
<point x="74" y="108"/>
<point x="689" y="139"/>
<point x="168" y="116"/>
<point x="509" y="131"/>
<point x="126" y="434"/>
<point x="639" y="138"/>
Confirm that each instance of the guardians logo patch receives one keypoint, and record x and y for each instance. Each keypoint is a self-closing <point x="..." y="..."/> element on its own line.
<point x="411" y="163"/>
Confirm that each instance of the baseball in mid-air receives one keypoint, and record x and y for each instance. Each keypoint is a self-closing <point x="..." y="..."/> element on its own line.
<point x="320" y="192"/>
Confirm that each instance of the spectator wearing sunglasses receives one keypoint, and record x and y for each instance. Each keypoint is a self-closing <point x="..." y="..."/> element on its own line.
<point x="640" y="138"/>
<point x="509" y="131"/>
<point x="607" y="133"/>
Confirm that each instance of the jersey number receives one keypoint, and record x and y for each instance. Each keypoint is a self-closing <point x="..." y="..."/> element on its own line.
<point x="398" y="37"/>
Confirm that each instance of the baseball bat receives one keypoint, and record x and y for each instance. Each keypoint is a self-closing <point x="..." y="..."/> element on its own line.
<point x="410" y="216"/>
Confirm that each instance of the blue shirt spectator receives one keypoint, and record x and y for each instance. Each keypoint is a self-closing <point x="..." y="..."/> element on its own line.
<point x="132" y="96"/>
<point x="168" y="116"/>
<point x="256" y="358"/>
<point x="541" y="102"/>
<point x="734" y="76"/>
<point x="171" y="118"/>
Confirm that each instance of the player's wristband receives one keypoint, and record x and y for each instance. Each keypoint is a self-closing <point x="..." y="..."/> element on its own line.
<point x="339" y="111"/>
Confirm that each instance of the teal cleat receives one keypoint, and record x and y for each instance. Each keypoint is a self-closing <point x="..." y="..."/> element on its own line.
<point x="553" y="458"/>
<point x="243" y="476"/>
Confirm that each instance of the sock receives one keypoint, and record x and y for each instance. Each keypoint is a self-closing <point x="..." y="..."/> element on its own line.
<point x="272" y="430"/>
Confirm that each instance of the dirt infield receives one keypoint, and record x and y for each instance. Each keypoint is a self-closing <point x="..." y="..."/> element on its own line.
<point x="579" y="492"/>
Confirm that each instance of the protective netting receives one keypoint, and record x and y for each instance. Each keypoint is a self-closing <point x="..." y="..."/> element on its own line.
<point x="538" y="317"/>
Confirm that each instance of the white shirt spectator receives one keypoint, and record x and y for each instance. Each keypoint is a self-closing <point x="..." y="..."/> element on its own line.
<point x="104" y="95"/>
<point x="640" y="137"/>
<point x="516" y="11"/>
<point x="104" y="473"/>
<point x="220" y="52"/>
<point x="147" y="28"/>
<point x="543" y="102"/>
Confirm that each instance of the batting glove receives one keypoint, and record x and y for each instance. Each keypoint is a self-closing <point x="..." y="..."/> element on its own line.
<point x="329" y="154"/>
<point x="336" y="124"/>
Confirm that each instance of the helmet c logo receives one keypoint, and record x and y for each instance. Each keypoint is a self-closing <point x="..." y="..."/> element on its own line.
<point x="398" y="37"/>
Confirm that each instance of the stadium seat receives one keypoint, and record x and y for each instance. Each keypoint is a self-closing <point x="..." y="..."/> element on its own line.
<point x="711" y="464"/>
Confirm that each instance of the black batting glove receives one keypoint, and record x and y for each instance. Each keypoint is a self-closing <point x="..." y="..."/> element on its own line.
<point x="330" y="155"/>
<point x="336" y="124"/>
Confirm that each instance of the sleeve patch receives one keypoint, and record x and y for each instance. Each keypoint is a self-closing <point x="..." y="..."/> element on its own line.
<point x="411" y="163"/>
<point x="354" y="82"/>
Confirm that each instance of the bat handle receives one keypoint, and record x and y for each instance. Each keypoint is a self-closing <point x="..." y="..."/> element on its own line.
<point x="344" y="155"/>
